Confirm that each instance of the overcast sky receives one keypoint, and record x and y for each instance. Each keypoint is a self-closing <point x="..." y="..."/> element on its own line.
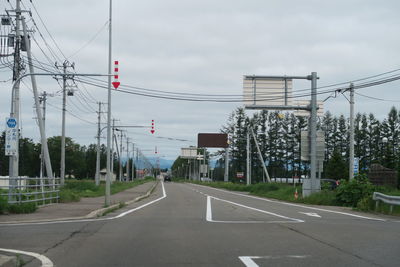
<point x="206" y="47"/>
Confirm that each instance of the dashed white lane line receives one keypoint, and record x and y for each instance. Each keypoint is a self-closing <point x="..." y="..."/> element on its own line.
<point x="296" y="205"/>
<point x="46" y="262"/>
<point x="95" y="220"/>
<point x="249" y="260"/>
<point x="210" y="219"/>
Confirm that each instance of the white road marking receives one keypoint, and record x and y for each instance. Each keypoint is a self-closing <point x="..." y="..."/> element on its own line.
<point x="249" y="260"/>
<point x="94" y="220"/>
<point x="46" y="262"/>
<point x="312" y="214"/>
<point x="209" y="213"/>
<point x="297" y="205"/>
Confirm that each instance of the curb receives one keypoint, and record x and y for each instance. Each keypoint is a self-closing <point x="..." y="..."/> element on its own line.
<point x="100" y="212"/>
<point x="93" y="214"/>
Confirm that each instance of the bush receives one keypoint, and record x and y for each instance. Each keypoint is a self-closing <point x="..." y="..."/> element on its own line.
<point x="349" y="193"/>
<point x="325" y="197"/>
<point x="366" y="204"/>
<point x="22" y="208"/>
<point x="3" y="205"/>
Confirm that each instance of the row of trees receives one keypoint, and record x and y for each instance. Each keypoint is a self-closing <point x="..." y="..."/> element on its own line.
<point x="279" y="138"/>
<point x="80" y="160"/>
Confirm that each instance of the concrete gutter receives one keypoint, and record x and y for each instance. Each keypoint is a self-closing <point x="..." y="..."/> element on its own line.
<point x="8" y="261"/>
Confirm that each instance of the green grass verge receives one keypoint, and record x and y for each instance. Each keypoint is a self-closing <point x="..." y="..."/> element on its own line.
<point x="75" y="189"/>
<point x="286" y="192"/>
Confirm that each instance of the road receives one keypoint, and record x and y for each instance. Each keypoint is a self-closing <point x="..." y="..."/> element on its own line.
<point x="186" y="224"/>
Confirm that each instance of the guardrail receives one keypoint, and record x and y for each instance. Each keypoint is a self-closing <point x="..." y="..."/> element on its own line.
<point x="27" y="189"/>
<point x="391" y="200"/>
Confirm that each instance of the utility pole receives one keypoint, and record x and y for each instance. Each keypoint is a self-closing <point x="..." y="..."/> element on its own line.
<point x="15" y="104"/>
<point x="127" y="162"/>
<point x="43" y="138"/>
<point x="65" y="65"/>
<point x="43" y="99"/>
<point x="120" y="158"/>
<point x="248" y="172"/>
<point x="112" y="146"/>
<point x="108" y="178"/>
<point x="133" y="161"/>
<point x="315" y="184"/>
<point x="97" y="175"/>
<point x="351" y="160"/>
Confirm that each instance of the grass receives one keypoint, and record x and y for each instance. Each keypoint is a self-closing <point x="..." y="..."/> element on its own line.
<point x="75" y="189"/>
<point x="286" y="192"/>
<point x="121" y="205"/>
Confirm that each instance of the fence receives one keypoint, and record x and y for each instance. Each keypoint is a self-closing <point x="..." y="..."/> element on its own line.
<point x="27" y="189"/>
<point x="391" y="200"/>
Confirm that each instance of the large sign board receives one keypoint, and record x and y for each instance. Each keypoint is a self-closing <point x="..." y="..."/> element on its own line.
<point x="11" y="144"/>
<point x="212" y="140"/>
<point x="305" y="146"/>
<point x="267" y="91"/>
<point x="189" y="152"/>
<point x="307" y="113"/>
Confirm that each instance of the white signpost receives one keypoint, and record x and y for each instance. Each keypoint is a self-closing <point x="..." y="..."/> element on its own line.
<point x="11" y="145"/>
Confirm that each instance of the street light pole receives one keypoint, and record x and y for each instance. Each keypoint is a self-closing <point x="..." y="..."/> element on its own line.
<point x="108" y="178"/>
<point x="351" y="159"/>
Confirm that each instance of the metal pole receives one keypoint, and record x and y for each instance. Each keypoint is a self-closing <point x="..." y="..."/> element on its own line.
<point x="226" y="174"/>
<point x="248" y="173"/>
<point x="112" y="146"/>
<point x="64" y="100"/>
<point x="315" y="187"/>
<point x="43" y="99"/>
<point x="204" y="162"/>
<point x="49" y="171"/>
<point x="133" y="161"/>
<point x="120" y="159"/>
<point x="351" y="159"/>
<point x="127" y="157"/>
<point x="97" y="175"/>
<point x="261" y="158"/>
<point x="14" y="159"/>
<point x="108" y="179"/>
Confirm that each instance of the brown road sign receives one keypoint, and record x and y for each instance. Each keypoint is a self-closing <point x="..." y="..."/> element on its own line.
<point x="212" y="140"/>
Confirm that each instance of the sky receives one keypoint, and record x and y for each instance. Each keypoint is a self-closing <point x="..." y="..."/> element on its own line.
<point x="202" y="47"/>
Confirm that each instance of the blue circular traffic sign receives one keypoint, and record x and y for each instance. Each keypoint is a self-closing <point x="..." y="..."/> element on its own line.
<point x="11" y="123"/>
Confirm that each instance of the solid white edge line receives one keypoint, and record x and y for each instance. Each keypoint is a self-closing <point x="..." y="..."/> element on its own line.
<point x="209" y="211"/>
<point x="46" y="262"/>
<point x="248" y="261"/>
<point x="94" y="220"/>
<point x="296" y="205"/>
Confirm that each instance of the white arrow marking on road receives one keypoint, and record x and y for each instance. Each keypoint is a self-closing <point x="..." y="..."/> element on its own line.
<point x="312" y="214"/>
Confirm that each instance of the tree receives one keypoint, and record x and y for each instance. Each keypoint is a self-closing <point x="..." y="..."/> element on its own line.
<point x="336" y="168"/>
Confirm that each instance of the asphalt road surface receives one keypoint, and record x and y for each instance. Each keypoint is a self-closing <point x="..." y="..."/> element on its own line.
<point x="191" y="225"/>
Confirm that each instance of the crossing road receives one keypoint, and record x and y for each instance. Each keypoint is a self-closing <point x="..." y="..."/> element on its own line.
<point x="186" y="224"/>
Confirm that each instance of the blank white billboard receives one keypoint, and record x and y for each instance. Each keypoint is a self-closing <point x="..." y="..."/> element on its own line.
<point x="189" y="152"/>
<point x="267" y="91"/>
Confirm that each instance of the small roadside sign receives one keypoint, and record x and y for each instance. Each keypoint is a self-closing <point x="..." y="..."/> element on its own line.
<point x="11" y="144"/>
<point x="356" y="165"/>
<point x="239" y="174"/>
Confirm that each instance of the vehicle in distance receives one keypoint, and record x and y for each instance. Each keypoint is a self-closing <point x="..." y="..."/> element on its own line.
<point x="167" y="178"/>
<point x="205" y="179"/>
